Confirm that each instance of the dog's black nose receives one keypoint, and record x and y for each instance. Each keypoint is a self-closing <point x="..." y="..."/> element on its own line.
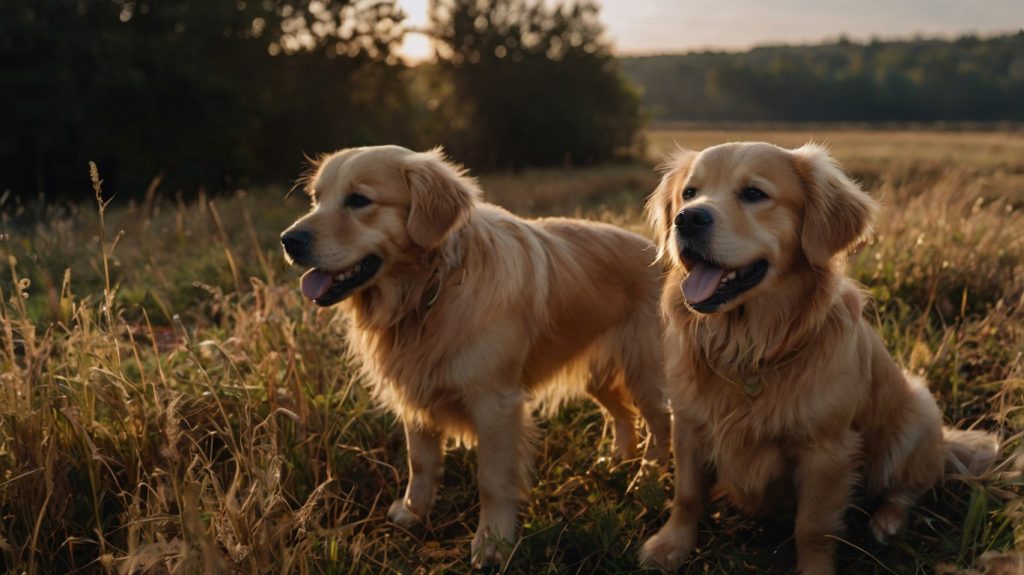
<point x="693" y="221"/>
<point x="296" y="242"/>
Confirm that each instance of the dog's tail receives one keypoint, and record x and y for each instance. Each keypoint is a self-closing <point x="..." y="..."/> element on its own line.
<point x="970" y="452"/>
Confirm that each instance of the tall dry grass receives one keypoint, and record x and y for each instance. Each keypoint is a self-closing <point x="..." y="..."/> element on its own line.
<point x="169" y="403"/>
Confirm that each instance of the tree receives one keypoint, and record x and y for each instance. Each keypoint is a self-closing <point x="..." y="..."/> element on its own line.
<point x="531" y="84"/>
<point x="213" y="93"/>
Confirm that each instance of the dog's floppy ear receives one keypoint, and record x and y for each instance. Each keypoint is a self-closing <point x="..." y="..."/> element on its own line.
<point x="442" y="197"/>
<point x="660" y="209"/>
<point x="837" y="213"/>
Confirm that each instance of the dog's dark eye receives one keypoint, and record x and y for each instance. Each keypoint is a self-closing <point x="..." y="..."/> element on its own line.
<point x="689" y="193"/>
<point x="752" y="195"/>
<point x="357" y="201"/>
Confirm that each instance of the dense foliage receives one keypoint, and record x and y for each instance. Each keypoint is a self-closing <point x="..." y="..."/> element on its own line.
<point x="229" y="92"/>
<point x="532" y="84"/>
<point x="969" y="79"/>
<point x="206" y="92"/>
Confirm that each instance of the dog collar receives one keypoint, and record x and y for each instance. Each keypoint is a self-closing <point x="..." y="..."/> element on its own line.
<point x="752" y="382"/>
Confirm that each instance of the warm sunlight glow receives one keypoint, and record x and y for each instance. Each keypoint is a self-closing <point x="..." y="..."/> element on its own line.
<point x="416" y="12"/>
<point x="416" y="48"/>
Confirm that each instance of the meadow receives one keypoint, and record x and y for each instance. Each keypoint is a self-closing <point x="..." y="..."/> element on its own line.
<point x="170" y="404"/>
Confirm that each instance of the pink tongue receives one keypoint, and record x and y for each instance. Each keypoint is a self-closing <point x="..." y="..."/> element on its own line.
<point x="315" y="283"/>
<point x="701" y="283"/>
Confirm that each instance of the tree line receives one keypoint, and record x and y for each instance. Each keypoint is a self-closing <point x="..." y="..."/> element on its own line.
<point x="969" y="79"/>
<point x="225" y="93"/>
<point x="228" y="93"/>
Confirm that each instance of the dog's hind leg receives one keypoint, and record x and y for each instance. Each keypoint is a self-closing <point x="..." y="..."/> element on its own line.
<point x="643" y="367"/>
<point x="907" y="459"/>
<point x="914" y="476"/>
<point x="425" y="455"/>
<point x="973" y="451"/>
<point x="606" y="385"/>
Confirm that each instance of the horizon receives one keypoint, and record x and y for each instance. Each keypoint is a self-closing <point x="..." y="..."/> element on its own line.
<point x="825" y="41"/>
<point x="829" y="41"/>
<point x="649" y="28"/>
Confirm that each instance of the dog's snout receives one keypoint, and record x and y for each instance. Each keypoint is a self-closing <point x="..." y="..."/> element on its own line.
<point x="296" y="242"/>
<point x="693" y="221"/>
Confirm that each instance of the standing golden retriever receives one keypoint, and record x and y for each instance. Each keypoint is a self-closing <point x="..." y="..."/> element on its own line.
<point x="778" y="385"/>
<point x="460" y="312"/>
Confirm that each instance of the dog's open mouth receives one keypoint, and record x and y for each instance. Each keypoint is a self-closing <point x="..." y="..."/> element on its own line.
<point x="328" y="288"/>
<point x="709" y="285"/>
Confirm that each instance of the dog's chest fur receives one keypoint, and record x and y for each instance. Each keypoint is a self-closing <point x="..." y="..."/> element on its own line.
<point x="753" y="421"/>
<point x="424" y="382"/>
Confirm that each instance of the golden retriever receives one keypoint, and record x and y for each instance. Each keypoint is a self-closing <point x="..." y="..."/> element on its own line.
<point x="779" y="387"/>
<point x="461" y="312"/>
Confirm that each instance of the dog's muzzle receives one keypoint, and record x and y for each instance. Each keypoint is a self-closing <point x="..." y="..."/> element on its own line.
<point x="296" y="244"/>
<point x="694" y="223"/>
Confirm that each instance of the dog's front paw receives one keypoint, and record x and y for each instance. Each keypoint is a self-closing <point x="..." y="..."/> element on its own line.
<point x="669" y="547"/>
<point x="401" y="515"/>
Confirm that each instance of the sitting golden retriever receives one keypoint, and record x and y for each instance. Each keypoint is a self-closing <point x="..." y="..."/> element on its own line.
<point x="461" y="312"/>
<point x="779" y="387"/>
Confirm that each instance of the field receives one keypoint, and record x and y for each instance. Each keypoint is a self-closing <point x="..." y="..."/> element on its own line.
<point x="170" y="404"/>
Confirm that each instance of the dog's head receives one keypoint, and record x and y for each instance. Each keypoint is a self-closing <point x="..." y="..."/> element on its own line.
<point x="740" y="218"/>
<point x="374" y="209"/>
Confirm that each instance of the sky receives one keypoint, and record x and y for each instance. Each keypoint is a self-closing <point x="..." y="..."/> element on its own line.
<point x="665" y="26"/>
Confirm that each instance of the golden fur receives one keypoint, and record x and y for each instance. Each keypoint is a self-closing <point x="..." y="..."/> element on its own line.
<point x="786" y="392"/>
<point x="475" y="312"/>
